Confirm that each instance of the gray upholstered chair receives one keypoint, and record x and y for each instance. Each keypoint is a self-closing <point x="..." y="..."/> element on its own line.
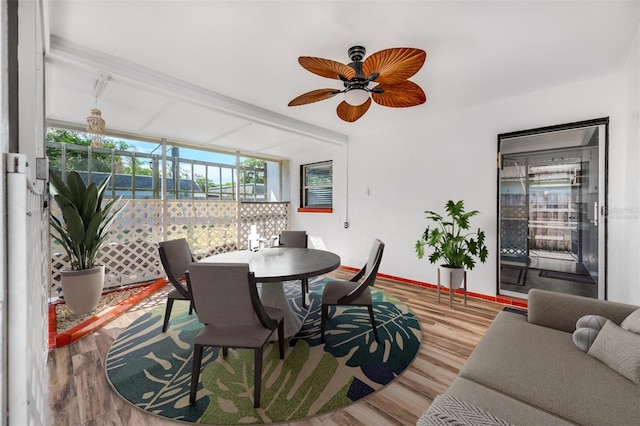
<point x="226" y="301"/>
<point x="354" y="292"/>
<point x="175" y="256"/>
<point x="297" y="239"/>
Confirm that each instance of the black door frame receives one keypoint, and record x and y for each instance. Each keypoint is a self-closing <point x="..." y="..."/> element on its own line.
<point x="603" y="121"/>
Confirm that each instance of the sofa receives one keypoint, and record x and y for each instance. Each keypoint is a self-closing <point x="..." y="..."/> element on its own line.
<point x="528" y="370"/>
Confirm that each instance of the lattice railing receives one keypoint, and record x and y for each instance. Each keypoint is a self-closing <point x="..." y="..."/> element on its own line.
<point x="212" y="225"/>
<point x="269" y="218"/>
<point x="131" y="253"/>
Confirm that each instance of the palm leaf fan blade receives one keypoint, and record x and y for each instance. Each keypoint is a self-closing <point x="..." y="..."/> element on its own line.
<point x="326" y="67"/>
<point x="401" y="95"/>
<point x="313" y="96"/>
<point x="394" y="65"/>
<point x="350" y="113"/>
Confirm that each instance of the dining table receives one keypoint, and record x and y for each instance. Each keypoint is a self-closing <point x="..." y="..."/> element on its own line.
<point x="272" y="266"/>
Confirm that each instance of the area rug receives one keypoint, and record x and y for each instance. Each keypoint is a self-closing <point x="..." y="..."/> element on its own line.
<point x="152" y="370"/>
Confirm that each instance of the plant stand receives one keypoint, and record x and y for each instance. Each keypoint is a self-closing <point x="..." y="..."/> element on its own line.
<point x="451" y="291"/>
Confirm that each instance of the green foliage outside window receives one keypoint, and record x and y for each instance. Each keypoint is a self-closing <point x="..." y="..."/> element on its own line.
<point x="252" y="171"/>
<point x="77" y="160"/>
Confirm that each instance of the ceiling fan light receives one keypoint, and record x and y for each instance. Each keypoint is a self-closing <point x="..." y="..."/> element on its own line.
<point x="356" y="97"/>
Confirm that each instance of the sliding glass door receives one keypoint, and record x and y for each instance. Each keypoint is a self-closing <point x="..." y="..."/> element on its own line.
<point x="552" y="211"/>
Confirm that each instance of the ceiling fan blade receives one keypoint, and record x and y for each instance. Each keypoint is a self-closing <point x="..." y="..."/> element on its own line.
<point x="401" y="95"/>
<point x="351" y="113"/>
<point x="314" y="96"/>
<point x="326" y="67"/>
<point x="394" y="65"/>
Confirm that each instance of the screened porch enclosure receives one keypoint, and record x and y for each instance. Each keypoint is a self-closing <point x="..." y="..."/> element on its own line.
<point x="211" y="205"/>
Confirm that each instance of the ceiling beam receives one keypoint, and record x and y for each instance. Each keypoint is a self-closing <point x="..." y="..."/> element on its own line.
<point x="64" y="49"/>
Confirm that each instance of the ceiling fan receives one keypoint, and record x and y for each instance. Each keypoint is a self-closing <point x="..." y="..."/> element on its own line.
<point x="383" y="77"/>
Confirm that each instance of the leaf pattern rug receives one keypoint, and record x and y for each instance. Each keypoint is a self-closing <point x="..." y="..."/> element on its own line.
<point x="152" y="370"/>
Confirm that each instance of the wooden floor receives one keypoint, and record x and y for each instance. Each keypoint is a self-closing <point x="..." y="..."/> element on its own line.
<point x="80" y="395"/>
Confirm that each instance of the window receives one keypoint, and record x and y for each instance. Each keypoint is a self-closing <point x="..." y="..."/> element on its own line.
<point x="137" y="170"/>
<point x="316" y="187"/>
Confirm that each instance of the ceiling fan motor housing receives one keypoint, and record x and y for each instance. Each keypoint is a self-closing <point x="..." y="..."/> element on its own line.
<point x="356" y="53"/>
<point x="360" y="81"/>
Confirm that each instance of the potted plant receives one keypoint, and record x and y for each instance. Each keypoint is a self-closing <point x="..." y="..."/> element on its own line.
<point x="81" y="233"/>
<point x="452" y="243"/>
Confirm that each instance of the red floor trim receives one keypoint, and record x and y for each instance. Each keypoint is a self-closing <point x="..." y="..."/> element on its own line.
<point x="66" y="337"/>
<point x="511" y="301"/>
<point x="90" y="324"/>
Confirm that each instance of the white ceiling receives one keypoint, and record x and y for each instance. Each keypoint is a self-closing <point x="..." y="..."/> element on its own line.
<point x="220" y="73"/>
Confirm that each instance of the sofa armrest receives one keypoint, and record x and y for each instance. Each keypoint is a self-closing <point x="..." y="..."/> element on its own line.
<point x="562" y="311"/>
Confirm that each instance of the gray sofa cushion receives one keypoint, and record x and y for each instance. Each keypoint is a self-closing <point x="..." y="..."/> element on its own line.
<point x="502" y="406"/>
<point x="619" y="349"/>
<point x="584" y="337"/>
<point x="632" y="322"/>
<point x="595" y="322"/>
<point x="540" y="366"/>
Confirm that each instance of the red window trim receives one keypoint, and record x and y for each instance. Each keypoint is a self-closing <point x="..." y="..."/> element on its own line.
<point x="315" y="210"/>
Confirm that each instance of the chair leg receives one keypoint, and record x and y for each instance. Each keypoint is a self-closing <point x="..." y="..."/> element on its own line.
<point x="304" y="284"/>
<point x="281" y="338"/>
<point x="257" y="378"/>
<point x="190" y="307"/>
<point x="373" y="323"/>
<point x="195" y="372"/>
<point x="323" y="320"/>
<point x="225" y="351"/>
<point x="167" y="314"/>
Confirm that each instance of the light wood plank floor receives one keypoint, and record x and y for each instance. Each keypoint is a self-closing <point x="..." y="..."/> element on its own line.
<point x="80" y="395"/>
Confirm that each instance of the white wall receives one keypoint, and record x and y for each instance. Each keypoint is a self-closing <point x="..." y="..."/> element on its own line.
<point x="624" y="190"/>
<point x="420" y="163"/>
<point x="4" y="149"/>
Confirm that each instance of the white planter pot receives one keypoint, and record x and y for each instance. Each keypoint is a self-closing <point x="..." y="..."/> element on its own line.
<point x="82" y="289"/>
<point x="451" y="277"/>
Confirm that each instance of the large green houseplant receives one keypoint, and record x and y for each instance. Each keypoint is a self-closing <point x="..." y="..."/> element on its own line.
<point x="81" y="232"/>
<point x="451" y="241"/>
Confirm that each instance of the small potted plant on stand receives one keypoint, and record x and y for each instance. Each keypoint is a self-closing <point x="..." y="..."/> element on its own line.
<point x="452" y="244"/>
<point x="81" y="233"/>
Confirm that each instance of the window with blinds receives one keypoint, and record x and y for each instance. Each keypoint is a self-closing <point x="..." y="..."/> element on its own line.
<point x="317" y="185"/>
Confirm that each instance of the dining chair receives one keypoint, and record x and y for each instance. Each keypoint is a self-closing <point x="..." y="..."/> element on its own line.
<point x="227" y="303"/>
<point x="354" y="292"/>
<point x="175" y="256"/>
<point x="297" y="239"/>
